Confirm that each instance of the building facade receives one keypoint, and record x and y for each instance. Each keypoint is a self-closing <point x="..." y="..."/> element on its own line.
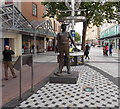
<point x="13" y="39"/>
<point x="110" y="32"/>
<point x="25" y="23"/>
<point x="34" y="12"/>
<point x="92" y="35"/>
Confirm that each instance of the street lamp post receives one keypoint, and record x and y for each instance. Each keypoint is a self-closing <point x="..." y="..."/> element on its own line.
<point x="73" y="13"/>
<point x="74" y="5"/>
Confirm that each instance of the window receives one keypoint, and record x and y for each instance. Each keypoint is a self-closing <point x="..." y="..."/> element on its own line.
<point x="8" y="1"/>
<point x="34" y="9"/>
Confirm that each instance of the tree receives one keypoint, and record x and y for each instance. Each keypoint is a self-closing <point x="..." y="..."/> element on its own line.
<point x="77" y="37"/>
<point x="95" y="12"/>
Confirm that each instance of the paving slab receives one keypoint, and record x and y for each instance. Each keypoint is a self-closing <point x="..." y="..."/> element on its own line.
<point x="105" y="93"/>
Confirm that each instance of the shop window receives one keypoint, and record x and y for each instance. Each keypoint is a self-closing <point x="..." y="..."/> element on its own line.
<point x="34" y="9"/>
<point x="8" y="1"/>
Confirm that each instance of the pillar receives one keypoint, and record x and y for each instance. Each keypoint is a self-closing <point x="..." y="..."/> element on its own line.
<point x="45" y="44"/>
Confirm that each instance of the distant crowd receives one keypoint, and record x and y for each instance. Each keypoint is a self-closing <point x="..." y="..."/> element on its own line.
<point x="107" y="49"/>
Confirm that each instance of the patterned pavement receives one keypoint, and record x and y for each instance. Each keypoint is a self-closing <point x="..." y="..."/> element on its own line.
<point x="105" y="93"/>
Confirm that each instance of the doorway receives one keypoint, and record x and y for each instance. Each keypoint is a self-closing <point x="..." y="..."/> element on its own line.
<point x="6" y="41"/>
<point x="9" y="42"/>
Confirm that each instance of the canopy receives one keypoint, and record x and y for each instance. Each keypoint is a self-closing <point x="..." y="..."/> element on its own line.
<point x="13" y="19"/>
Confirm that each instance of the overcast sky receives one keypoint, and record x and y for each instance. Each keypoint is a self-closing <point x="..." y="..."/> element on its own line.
<point x="79" y="27"/>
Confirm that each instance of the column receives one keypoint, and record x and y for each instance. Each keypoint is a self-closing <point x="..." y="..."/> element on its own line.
<point x="1" y="45"/>
<point x="1" y="40"/>
<point x="1" y="67"/>
<point x="18" y="45"/>
<point x="45" y="44"/>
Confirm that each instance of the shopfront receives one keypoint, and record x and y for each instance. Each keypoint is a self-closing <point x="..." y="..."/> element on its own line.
<point x="28" y="44"/>
<point x="20" y="35"/>
<point x="50" y="43"/>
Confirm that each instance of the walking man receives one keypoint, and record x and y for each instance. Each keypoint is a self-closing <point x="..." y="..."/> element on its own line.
<point x="7" y="58"/>
<point x="110" y="49"/>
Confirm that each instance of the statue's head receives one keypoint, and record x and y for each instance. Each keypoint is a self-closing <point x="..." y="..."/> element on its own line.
<point x="63" y="26"/>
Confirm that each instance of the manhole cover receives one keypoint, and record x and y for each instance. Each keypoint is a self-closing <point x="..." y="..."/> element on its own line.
<point x="88" y="89"/>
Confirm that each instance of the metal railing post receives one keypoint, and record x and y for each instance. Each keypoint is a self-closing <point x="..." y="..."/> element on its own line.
<point x="20" y="97"/>
<point x="32" y="76"/>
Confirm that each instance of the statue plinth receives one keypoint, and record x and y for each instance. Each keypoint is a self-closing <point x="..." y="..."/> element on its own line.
<point x="64" y="78"/>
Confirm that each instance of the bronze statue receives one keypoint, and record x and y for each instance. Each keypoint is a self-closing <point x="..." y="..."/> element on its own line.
<point x="63" y="48"/>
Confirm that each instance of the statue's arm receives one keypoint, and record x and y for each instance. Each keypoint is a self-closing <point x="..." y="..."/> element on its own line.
<point x="72" y="41"/>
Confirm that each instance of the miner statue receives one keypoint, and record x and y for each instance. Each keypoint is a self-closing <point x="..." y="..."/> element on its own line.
<point x="63" y="49"/>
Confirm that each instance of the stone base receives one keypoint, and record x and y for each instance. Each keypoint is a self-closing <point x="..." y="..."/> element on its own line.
<point x="64" y="78"/>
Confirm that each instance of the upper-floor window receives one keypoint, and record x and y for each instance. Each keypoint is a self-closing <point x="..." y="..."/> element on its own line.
<point x="34" y="9"/>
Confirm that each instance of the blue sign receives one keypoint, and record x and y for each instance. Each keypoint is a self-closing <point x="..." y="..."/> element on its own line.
<point x="73" y="33"/>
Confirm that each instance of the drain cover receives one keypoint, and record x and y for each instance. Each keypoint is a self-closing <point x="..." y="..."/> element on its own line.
<point x="88" y="89"/>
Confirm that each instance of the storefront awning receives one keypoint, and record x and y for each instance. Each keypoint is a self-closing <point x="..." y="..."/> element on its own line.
<point x="13" y="19"/>
<point x="43" y="27"/>
<point x="109" y="37"/>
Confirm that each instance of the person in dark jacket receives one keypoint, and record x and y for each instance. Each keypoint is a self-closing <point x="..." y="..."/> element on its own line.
<point x="110" y="49"/>
<point x="7" y="59"/>
<point x="86" y="53"/>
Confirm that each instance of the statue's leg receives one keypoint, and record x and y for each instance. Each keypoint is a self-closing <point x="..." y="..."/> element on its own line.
<point x="67" y="59"/>
<point x="61" y="62"/>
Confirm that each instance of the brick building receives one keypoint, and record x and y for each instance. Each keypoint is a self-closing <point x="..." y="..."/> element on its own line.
<point x="92" y="35"/>
<point x="26" y="22"/>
